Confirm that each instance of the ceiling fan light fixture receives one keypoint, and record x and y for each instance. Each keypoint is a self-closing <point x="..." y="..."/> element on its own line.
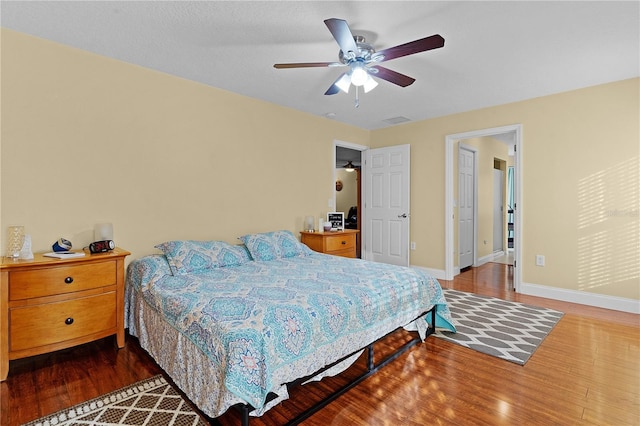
<point x="359" y="75"/>
<point x="370" y="84"/>
<point x="349" y="167"/>
<point x="344" y="83"/>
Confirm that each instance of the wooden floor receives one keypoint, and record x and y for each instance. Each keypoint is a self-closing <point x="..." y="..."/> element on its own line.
<point x="587" y="371"/>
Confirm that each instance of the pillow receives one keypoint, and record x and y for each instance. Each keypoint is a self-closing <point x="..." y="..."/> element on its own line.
<point x="188" y="256"/>
<point x="274" y="245"/>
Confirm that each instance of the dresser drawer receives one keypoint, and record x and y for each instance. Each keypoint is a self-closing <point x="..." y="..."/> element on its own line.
<point x="33" y="283"/>
<point x="46" y="324"/>
<point x="340" y="242"/>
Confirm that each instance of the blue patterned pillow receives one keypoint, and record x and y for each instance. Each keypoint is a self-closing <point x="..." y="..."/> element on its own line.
<point x="188" y="256"/>
<point x="274" y="245"/>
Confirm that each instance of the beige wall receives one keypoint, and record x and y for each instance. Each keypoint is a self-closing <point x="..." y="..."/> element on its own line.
<point x="580" y="177"/>
<point x="87" y="139"/>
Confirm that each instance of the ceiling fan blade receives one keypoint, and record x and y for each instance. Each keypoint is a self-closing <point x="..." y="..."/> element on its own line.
<point x="332" y="90"/>
<point x="392" y="76"/>
<point x="305" y="65"/>
<point x="334" y="87"/>
<point x="341" y="32"/>
<point x="416" y="46"/>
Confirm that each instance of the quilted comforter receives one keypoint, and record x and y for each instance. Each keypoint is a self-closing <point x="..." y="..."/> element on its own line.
<point x="232" y="335"/>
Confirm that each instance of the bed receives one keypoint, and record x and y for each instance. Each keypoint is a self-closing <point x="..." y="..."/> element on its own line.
<point x="234" y="324"/>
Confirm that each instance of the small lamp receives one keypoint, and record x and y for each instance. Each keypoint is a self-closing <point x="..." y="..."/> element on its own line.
<point x="309" y="222"/>
<point x="102" y="232"/>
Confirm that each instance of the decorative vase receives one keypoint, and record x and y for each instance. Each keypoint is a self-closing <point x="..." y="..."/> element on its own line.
<point x="16" y="239"/>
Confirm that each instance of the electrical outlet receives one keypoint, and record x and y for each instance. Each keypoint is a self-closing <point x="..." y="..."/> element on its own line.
<point x="413" y="245"/>
<point x="539" y="260"/>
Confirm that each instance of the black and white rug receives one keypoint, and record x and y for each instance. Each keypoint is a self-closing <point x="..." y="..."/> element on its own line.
<point x="149" y="402"/>
<point x="507" y="330"/>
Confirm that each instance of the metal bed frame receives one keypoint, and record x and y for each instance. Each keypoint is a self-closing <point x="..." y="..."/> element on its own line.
<point x="372" y="367"/>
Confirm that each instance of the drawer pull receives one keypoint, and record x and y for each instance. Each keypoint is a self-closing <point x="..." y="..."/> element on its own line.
<point x="68" y="321"/>
<point x="68" y="280"/>
<point x="344" y="242"/>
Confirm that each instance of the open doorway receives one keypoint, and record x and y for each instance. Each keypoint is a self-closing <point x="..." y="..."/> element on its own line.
<point x="511" y="135"/>
<point x="348" y="190"/>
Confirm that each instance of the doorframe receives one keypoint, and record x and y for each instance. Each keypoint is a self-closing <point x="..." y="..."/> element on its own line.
<point x="450" y="141"/>
<point x="474" y="237"/>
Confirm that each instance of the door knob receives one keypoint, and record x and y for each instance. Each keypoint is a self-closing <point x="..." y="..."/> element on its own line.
<point x="402" y="216"/>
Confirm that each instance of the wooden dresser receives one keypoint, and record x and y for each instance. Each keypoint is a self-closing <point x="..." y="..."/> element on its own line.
<point x="339" y="243"/>
<point x="49" y="304"/>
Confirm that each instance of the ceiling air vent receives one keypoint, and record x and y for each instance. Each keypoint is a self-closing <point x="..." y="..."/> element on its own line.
<point x="396" y="120"/>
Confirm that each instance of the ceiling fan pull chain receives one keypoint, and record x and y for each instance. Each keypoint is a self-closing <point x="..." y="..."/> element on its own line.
<point x="357" y="104"/>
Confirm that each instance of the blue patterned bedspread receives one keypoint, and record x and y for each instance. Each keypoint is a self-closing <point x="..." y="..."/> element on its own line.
<point x="263" y="322"/>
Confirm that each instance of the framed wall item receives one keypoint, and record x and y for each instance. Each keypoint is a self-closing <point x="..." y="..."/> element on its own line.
<point x="336" y="219"/>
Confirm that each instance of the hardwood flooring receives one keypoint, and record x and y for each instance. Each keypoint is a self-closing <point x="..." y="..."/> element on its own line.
<point x="587" y="371"/>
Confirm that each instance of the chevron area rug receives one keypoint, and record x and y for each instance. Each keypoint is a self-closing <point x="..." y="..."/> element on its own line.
<point x="507" y="330"/>
<point x="148" y="402"/>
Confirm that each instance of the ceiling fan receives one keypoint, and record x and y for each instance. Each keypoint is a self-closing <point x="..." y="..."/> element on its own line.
<point x="363" y="60"/>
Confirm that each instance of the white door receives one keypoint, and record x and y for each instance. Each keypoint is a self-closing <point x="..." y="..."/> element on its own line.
<point x="466" y="200"/>
<point x="498" y="210"/>
<point x="386" y="205"/>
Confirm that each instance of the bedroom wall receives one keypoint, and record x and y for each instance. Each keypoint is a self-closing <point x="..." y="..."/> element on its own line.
<point x="87" y="139"/>
<point x="581" y="185"/>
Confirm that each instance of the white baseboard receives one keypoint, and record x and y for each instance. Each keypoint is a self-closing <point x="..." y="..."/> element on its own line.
<point x="488" y="258"/>
<point x="582" y="297"/>
<point x="573" y="296"/>
<point x="435" y="273"/>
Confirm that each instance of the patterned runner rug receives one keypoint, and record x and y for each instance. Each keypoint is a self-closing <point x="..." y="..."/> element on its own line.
<point x="148" y="402"/>
<point x="507" y="330"/>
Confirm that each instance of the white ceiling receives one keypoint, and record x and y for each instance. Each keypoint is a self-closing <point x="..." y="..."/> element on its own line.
<point x="494" y="53"/>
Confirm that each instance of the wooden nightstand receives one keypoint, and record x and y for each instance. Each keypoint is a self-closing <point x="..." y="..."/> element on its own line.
<point x="48" y="304"/>
<point x="339" y="243"/>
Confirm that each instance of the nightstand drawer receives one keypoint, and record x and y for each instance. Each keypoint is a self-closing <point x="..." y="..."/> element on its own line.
<point x="29" y="284"/>
<point x="344" y="253"/>
<point x="340" y="242"/>
<point x="41" y="325"/>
